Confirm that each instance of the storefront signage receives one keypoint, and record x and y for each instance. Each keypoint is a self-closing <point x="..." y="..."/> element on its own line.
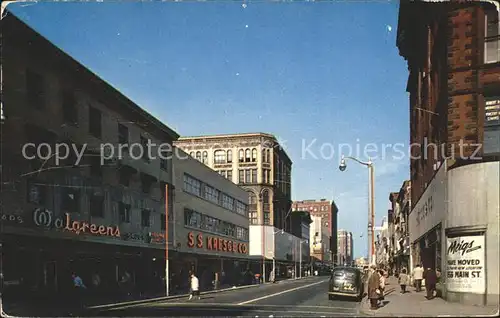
<point x="157" y="238"/>
<point x="78" y="227"/>
<point x="11" y="218"/>
<point x="44" y="218"/>
<point x="465" y="272"/>
<point x="213" y="243"/>
<point x="134" y="237"/>
<point x="430" y="208"/>
<point x="492" y="113"/>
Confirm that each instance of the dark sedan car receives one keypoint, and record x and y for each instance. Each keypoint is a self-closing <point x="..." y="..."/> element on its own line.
<point x="346" y="281"/>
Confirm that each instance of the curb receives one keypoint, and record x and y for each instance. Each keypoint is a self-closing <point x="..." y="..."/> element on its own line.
<point x="364" y="308"/>
<point x="143" y="301"/>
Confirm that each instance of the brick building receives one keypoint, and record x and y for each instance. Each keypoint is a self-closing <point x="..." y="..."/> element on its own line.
<point x="327" y="210"/>
<point x="452" y="50"/>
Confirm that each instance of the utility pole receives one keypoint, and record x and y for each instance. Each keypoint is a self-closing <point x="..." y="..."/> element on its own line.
<point x="167" y="278"/>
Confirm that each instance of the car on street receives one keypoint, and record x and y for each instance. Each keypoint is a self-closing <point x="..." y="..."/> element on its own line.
<point x="347" y="282"/>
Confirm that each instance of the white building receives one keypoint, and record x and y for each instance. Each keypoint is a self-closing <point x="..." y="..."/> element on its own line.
<point x="319" y="239"/>
<point x="382" y="243"/>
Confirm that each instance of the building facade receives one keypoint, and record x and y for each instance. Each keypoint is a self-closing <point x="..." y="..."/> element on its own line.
<point x="257" y="163"/>
<point x="327" y="210"/>
<point x="319" y="243"/>
<point x="382" y="243"/>
<point x="345" y="247"/>
<point x="86" y="208"/>
<point x="452" y="50"/>
<point x="210" y="220"/>
<point x="398" y="228"/>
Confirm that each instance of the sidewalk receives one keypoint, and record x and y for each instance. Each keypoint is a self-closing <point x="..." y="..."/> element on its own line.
<point x="413" y="304"/>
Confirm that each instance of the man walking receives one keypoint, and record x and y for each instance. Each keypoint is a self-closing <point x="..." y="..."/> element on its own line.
<point x="195" y="286"/>
<point x="418" y="275"/>
<point x="430" y="283"/>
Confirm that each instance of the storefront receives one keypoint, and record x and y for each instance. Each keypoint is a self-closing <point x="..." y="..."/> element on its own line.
<point x="425" y="223"/>
<point x="472" y="232"/>
<point x="40" y="254"/>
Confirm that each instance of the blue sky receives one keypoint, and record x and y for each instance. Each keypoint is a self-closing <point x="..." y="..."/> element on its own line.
<point x="308" y="72"/>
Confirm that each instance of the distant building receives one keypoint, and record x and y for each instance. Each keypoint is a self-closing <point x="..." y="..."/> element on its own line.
<point x="327" y="210"/>
<point x="257" y="163"/>
<point x="319" y="239"/>
<point x="345" y="247"/>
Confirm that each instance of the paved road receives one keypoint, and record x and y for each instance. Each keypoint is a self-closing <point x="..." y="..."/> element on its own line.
<point x="306" y="297"/>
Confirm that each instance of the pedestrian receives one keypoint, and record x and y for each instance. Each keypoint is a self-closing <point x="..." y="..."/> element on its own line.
<point x="374" y="288"/>
<point x="382" y="284"/>
<point x="195" y="286"/>
<point x="430" y="283"/>
<point x="79" y="289"/>
<point x="418" y="275"/>
<point x="403" y="280"/>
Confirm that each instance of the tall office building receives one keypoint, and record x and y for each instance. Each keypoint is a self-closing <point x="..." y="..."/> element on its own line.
<point x="345" y="247"/>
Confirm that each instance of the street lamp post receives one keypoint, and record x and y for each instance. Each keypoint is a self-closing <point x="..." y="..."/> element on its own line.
<point x="371" y="203"/>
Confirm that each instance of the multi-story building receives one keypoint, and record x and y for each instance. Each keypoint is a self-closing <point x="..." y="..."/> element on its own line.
<point x="257" y="163"/>
<point x="82" y="209"/>
<point x="452" y="50"/>
<point x="345" y="247"/>
<point x="319" y="243"/>
<point x="327" y="210"/>
<point x="398" y="229"/>
<point x="382" y="243"/>
<point x="210" y="222"/>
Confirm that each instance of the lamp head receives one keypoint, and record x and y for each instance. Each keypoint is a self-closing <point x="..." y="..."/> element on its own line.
<point x="342" y="165"/>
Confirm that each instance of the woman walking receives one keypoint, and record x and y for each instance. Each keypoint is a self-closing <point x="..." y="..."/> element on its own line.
<point x="403" y="280"/>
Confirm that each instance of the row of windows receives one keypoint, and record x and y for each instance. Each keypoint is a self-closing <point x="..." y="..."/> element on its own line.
<point x="71" y="200"/>
<point x="35" y="92"/>
<point x="226" y="156"/>
<point x="228" y="174"/>
<point x="210" y="224"/>
<point x="252" y="208"/>
<point x="247" y="176"/>
<point x="200" y="189"/>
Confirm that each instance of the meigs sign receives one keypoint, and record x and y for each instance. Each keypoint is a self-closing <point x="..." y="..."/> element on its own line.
<point x="465" y="270"/>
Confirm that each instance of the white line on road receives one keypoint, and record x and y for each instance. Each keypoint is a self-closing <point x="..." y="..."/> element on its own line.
<point x="280" y="293"/>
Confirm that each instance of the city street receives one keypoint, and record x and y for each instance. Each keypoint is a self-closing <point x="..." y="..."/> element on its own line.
<point x="305" y="297"/>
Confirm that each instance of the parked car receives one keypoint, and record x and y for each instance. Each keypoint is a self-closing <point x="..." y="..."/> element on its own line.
<point x="346" y="281"/>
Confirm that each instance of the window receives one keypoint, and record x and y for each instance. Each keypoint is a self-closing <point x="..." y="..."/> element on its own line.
<point x="198" y="155"/>
<point x="229" y="156"/>
<point x="95" y="165"/>
<point x="241" y="176"/>
<point x="97" y="206"/>
<point x="492" y="38"/>
<point x="241" y="233"/>
<point x="266" y="208"/>
<point x="191" y="185"/>
<point x="95" y="127"/>
<point x="36" y="193"/>
<point x="70" y="201"/>
<point x="123" y="135"/>
<point x="247" y="155"/>
<point x="252" y="208"/>
<point x="211" y="194"/>
<point x="35" y="89"/>
<point x="145" y="218"/>
<point x="241" y="208"/>
<point x="124" y="212"/>
<point x="146" y="182"/>
<point x="145" y="149"/>
<point x="241" y="155"/>
<point x="227" y="202"/>
<point x="266" y="175"/>
<point x="268" y="155"/>
<point x="191" y="154"/>
<point x="164" y="161"/>
<point x="222" y="173"/>
<point x="205" y="157"/>
<point x="192" y="218"/>
<point x="230" y="175"/>
<point x="254" y="175"/>
<point x="124" y="177"/>
<point x="247" y="176"/>
<point x="70" y="111"/>
<point x="219" y="156"/>
<point x="254" y="155"/>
